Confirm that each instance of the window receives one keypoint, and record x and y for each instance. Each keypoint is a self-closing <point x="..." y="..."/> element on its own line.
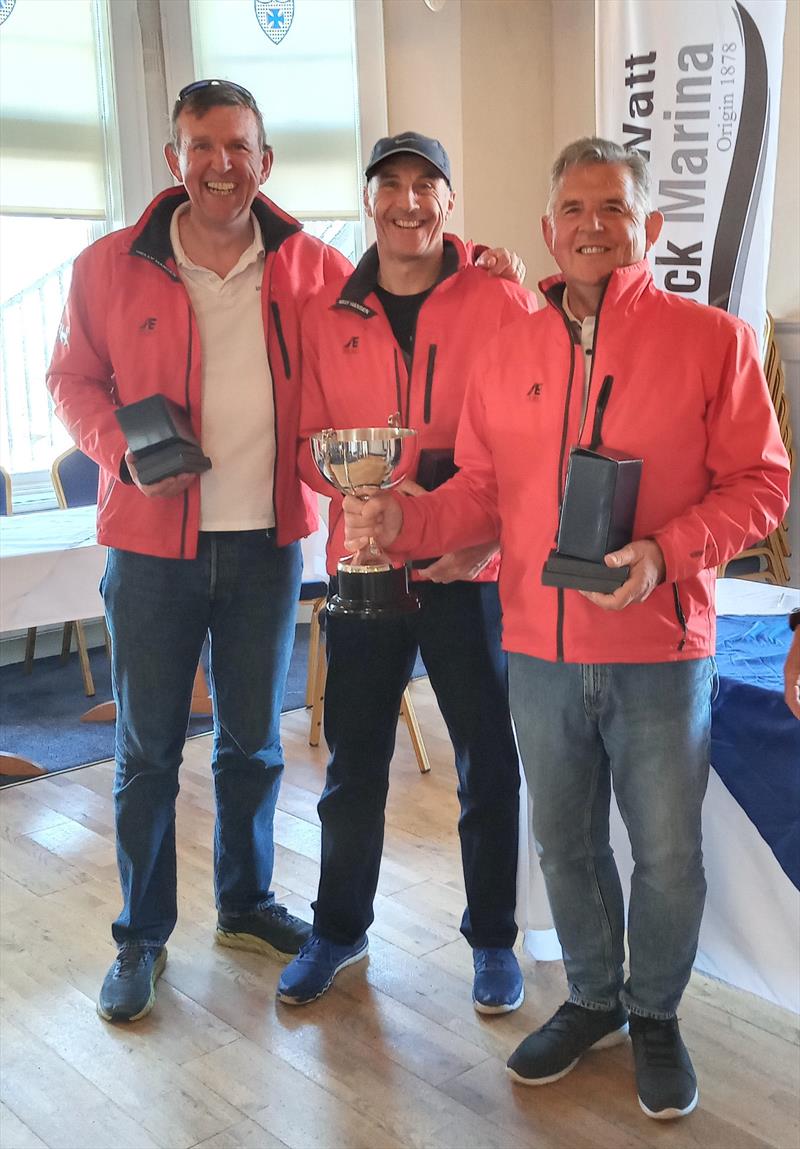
<point x="309" y="87"/>
<point x="76" y="76"/>
<point x="59" y="190"/>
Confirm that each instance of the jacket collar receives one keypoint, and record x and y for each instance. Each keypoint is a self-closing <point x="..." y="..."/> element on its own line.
<point x="624" y="287"/>
<point x="151" y="232"/>
<point x="364" y="279"/>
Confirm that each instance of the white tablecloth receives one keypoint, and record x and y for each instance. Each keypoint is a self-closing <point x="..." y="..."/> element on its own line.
<point x="750" y="936"/>
<point x="50" y="568"/>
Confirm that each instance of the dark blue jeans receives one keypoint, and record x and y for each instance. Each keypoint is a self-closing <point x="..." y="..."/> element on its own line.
<point x="242" y="591"/>
<point x="457" y="632"/>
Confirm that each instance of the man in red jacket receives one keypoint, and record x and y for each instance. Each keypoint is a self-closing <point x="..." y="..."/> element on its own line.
<point x="200" y="301"/>
<point x="617" y="688"/>
<point x="399" y="335"/>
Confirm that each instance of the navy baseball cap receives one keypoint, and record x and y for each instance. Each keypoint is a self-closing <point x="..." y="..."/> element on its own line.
<point x="417" y="145"/>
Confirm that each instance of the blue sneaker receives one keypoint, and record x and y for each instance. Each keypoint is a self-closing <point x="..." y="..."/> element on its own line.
<point x="312" y="971"/>
<point x="498" y="986"/>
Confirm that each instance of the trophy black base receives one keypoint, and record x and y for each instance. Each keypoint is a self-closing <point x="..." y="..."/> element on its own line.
<point x="582" y="574"/>
<point x="369" y="594"/>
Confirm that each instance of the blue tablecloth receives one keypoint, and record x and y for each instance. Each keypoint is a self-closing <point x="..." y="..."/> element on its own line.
<point x="755" y="739"/>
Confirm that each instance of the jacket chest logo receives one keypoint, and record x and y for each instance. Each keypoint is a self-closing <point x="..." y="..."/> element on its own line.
<point x="534" y="391"/>
<point x="149" y="324"/>
<point x="351" y="344"/>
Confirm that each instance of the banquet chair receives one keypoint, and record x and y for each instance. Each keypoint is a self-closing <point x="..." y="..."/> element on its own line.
<point x="74" y="477"/>
<point x="6" y="508"/>
<point x="767" y="560"/>
<point x="315" y="688"/>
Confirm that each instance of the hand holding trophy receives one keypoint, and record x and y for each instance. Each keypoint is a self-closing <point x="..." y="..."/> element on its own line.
<point x="361" y="461"/>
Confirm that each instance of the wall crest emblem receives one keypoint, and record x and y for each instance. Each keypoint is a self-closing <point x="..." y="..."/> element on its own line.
<point x="274" y="18"/>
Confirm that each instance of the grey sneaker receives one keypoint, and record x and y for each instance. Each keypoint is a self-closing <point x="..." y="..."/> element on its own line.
<point x="129" y="989"/>
<point x="665" y="1077"/>
<point x="552" y="1051"/>
<point x="272" y="931"/>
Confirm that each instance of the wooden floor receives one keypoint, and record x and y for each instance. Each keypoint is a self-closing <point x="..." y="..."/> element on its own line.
<point x="394" y="1056"/>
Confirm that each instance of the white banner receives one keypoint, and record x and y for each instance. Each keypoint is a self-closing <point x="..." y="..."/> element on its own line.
<point x="694" y="85"/>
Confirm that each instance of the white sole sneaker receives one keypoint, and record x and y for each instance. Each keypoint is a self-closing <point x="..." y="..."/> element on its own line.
<point x="671" y="1114"/>
<point x="288" y="999"/>
<point x="508" y="1008"/>
<point x="617" y="1037"/>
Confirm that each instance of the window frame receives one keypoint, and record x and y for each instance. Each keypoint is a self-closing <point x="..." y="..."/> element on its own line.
<point x="372" y="117"/>
<point x="128" y="172"/>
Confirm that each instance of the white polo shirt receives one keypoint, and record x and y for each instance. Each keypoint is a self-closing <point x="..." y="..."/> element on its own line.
<point x="586" y="327"/>
<point x="237" y="407"/>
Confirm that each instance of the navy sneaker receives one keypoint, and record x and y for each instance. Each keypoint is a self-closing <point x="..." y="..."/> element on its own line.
<point x="129" y="989"/>
<point x="315" y="967"/>
<point x="665" y="1077"/>
<point x="498" y="986"/>
<point x="553" y="1050"/>
<point x="271" y="930"/>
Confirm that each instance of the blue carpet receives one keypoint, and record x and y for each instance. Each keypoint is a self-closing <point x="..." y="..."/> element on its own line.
<point x="40" y="714"/>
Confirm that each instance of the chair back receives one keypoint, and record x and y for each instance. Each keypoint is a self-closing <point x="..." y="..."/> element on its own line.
<point x="5" y="492"/>
<point x="75" y="478"/>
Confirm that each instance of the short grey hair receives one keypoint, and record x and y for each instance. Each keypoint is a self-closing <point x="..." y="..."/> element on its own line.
<point x="594" y="150"/>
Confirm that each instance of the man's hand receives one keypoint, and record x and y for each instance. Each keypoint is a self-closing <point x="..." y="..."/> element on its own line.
<point x="502" y="264"/>
<point x="379" y="519"/>
<point x="175" y="485"/>
<point x="791" y="676"/>
<point x="460" y="566"/>
<point x="647" y="570"/>
<point x="409" y="487"/>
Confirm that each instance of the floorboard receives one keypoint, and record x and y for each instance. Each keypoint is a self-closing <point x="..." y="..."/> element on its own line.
<point x="393" y="1057"/>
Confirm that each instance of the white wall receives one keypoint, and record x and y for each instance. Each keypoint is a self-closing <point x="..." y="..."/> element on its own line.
<point x="423" y="80"/>
<point x="506" y="83"/>
<point x="783" y="283"/>
<point x="507" y="102"/>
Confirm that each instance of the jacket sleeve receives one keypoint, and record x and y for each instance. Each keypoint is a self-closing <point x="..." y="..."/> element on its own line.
<point x="81" y="378"/>
<point x="314" y="413"/>
<point x="748" y="467"/>
<point x="463" y="511"/>
<point x="334" y="265"/>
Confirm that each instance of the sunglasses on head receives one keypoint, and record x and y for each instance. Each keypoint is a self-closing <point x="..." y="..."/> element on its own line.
<point x="199" y="85"/>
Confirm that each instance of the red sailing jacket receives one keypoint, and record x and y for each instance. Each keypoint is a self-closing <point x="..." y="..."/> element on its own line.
<point x="689" y="397"/>
<point x="128" y="331"/>
<point x="355" y="375"/>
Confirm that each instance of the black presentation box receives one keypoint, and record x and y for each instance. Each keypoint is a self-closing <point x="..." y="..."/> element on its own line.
<point x="435" y="466"/>
<point x="597" y="517"/>
<point x="160" y="435"/>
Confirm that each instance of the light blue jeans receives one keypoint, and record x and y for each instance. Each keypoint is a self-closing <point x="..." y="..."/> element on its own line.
<point x="242" y="591"/>
<point x="645" y="728"/>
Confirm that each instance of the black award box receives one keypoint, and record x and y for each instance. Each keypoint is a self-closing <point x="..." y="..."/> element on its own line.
<point x="597" y="517"/>
<point x="160" y="436"/>
<point x="435" y="466"/>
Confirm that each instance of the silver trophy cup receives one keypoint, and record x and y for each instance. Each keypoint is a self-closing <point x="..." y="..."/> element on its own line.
<point x="361" y="461"/>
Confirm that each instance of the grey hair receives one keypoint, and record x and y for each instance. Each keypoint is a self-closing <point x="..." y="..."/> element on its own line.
<point x="594" y="150"/>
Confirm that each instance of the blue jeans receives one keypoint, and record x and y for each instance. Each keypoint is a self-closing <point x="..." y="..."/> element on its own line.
<point x="242" y="591"/>
<point x="457" y="632"/>
<point x="646" y="729"/>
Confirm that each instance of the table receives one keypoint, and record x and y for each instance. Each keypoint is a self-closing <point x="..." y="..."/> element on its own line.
<point x="750" y="936"/>
<point x="50" y="570"/>
<point x="51" y="566"/>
